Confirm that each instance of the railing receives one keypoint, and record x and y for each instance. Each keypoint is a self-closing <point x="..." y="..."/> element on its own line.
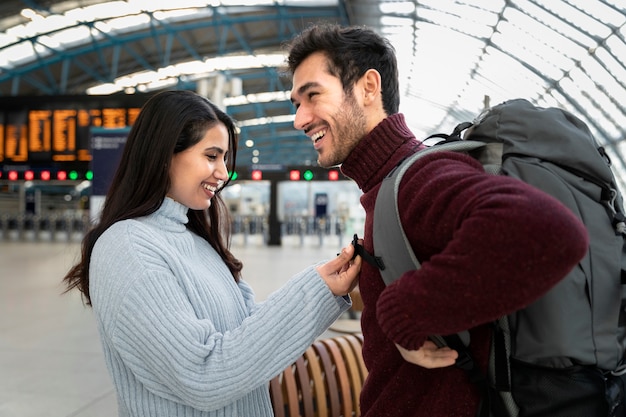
<point x="50" y="227"/>
<point x="246" y="230"/>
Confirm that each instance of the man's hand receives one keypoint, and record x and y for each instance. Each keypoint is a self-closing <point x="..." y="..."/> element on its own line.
<point x="429" y="355"/>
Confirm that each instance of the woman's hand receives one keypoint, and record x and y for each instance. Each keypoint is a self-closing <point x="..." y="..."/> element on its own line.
<point x="341" y="274"/>
<point x="429" y="355"/>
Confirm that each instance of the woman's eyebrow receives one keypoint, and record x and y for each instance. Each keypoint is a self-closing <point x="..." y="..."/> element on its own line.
<point x="214" y="148"/>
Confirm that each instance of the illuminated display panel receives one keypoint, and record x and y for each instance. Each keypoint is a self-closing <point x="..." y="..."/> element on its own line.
<point x="55" y="131"/>
<point x="113" y="118"/>
<point x="64" y="137"/>
<point x="39" y="134"/>
<point x="95" y="117"/>
<point x="1" y="137"/>
<point x="15" y="139"/>
<point x="132" y="115"/>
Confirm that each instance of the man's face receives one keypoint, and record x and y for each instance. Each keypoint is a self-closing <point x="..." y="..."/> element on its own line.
<point x="334" y="122"/>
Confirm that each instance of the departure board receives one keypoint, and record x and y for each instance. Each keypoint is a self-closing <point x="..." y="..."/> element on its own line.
<point x="40" y="134"/>
<point x="64" y="134"/>
<point x="57" y="129"/>
<point x="1" y="141"/>
<point x="15" y="139"/>
<point x="113" y="118"/>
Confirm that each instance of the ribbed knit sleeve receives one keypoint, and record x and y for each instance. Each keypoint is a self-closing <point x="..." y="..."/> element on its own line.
<point x="181" y="337"/>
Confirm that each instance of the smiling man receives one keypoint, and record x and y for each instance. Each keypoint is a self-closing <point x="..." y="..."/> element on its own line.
<point x="458" y="220"/>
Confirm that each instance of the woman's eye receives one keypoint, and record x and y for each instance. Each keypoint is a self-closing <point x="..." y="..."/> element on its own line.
<point x="212" y="157"/>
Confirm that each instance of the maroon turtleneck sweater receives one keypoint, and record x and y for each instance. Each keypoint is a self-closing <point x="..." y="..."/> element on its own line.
<point x="488" y="245"/>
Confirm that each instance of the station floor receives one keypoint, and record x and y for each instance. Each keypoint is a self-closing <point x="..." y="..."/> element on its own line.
<point x="51" y="363"/>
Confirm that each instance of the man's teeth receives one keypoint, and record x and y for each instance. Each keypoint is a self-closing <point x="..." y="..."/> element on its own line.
<point x="318" y="135"/>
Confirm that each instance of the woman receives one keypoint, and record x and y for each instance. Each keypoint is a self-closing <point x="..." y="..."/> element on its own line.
<point x="180" y="330"/>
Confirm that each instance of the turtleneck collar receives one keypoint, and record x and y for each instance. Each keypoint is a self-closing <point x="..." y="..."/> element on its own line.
<point x="172" y="215"/>
<point x="379" y="152"/>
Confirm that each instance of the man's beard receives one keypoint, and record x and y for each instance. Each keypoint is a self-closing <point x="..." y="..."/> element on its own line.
<point x="349" y="126"/>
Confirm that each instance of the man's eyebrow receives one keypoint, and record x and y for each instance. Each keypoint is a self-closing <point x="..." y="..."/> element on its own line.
<point x="305" y="87"/>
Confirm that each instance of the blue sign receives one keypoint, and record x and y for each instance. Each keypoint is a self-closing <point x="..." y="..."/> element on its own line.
<point x="106" y="148"/>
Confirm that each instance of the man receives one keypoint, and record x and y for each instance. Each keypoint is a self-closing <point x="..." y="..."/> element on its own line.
<point x="488" y="245"/>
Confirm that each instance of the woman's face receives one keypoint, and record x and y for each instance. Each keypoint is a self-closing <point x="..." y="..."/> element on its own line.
<point x="199" y="171"/>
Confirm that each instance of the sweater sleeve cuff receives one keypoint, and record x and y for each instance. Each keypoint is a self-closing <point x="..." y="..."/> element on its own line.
<point x="396" y="323"/>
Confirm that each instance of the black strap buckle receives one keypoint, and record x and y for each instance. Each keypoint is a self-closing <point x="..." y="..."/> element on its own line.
<point x="375" y="261"/>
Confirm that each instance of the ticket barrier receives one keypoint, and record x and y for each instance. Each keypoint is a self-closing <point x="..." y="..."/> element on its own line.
<point x="311" y="230"/>
<point x="48" y="227"/>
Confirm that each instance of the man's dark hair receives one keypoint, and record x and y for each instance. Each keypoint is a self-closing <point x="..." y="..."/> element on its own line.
<point x="351" y="51"/>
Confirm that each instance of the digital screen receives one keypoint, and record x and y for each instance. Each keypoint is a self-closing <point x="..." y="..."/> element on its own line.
<point x="15" y="139"/>
<point x="113" y="118"/>
<point x="1" y="140"/>
<point x="64" y="135"/>
<point x="57" y="130"/>
<point x="40" y="134"/>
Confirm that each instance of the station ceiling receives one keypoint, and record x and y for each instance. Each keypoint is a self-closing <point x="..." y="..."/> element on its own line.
<point x="455" y="58"/>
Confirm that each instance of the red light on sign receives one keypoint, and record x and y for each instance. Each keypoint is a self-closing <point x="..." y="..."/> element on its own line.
<point x="257" y="175"/>
<point x="294" y="175"/>
<point x="29" y="175"/>
<point x="61" y="175"/>
<point x="333" y="175"/>
<point x="45" y="175"/>
<point x="13" y="175"/>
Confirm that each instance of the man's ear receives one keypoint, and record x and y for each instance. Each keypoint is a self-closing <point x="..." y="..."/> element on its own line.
<point x="371" y="86"/>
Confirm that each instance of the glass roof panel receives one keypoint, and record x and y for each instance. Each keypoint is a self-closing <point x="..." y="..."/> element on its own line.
<point x="578" y="18"/>
<point x="18" y="53"/>
<point x="553" y="21"/>
<point x="617" y="46"/>
<point x="524" y="49"/>
<point x="614" y="88"/>
<point x="544" y="37"/>
<point x="601" y="12"/>
<point x="401" y="7"/>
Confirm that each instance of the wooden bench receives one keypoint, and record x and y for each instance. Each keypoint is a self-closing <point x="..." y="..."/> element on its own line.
<point x="325" y="381"/>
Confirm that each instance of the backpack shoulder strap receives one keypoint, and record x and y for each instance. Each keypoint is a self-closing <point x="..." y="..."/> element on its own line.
<point x="391" y="245"/>
<point x="393" y="249"/>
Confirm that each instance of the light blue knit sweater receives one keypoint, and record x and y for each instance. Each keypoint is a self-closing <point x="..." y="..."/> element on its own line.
<point x="180" y="337"/>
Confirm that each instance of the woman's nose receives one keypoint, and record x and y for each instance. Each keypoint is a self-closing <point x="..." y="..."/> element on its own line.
<point x="221" y="171"/>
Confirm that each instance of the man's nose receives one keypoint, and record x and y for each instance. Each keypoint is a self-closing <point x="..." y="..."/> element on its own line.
<point x="302" y="119"/>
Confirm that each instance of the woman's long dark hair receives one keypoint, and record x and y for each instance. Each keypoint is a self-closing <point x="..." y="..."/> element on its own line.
<point x="169" y="123"/>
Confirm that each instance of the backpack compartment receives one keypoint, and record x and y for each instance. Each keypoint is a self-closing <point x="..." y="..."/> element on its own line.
<point x="576" y="322"/>
<point x="576" y="391"/>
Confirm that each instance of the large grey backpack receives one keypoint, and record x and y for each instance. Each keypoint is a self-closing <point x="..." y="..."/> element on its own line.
<point x="577" y="328"/>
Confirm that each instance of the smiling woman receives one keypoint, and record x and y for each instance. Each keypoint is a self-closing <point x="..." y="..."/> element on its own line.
<point x="199" y="171"/>
<point x="181" y="331"/>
